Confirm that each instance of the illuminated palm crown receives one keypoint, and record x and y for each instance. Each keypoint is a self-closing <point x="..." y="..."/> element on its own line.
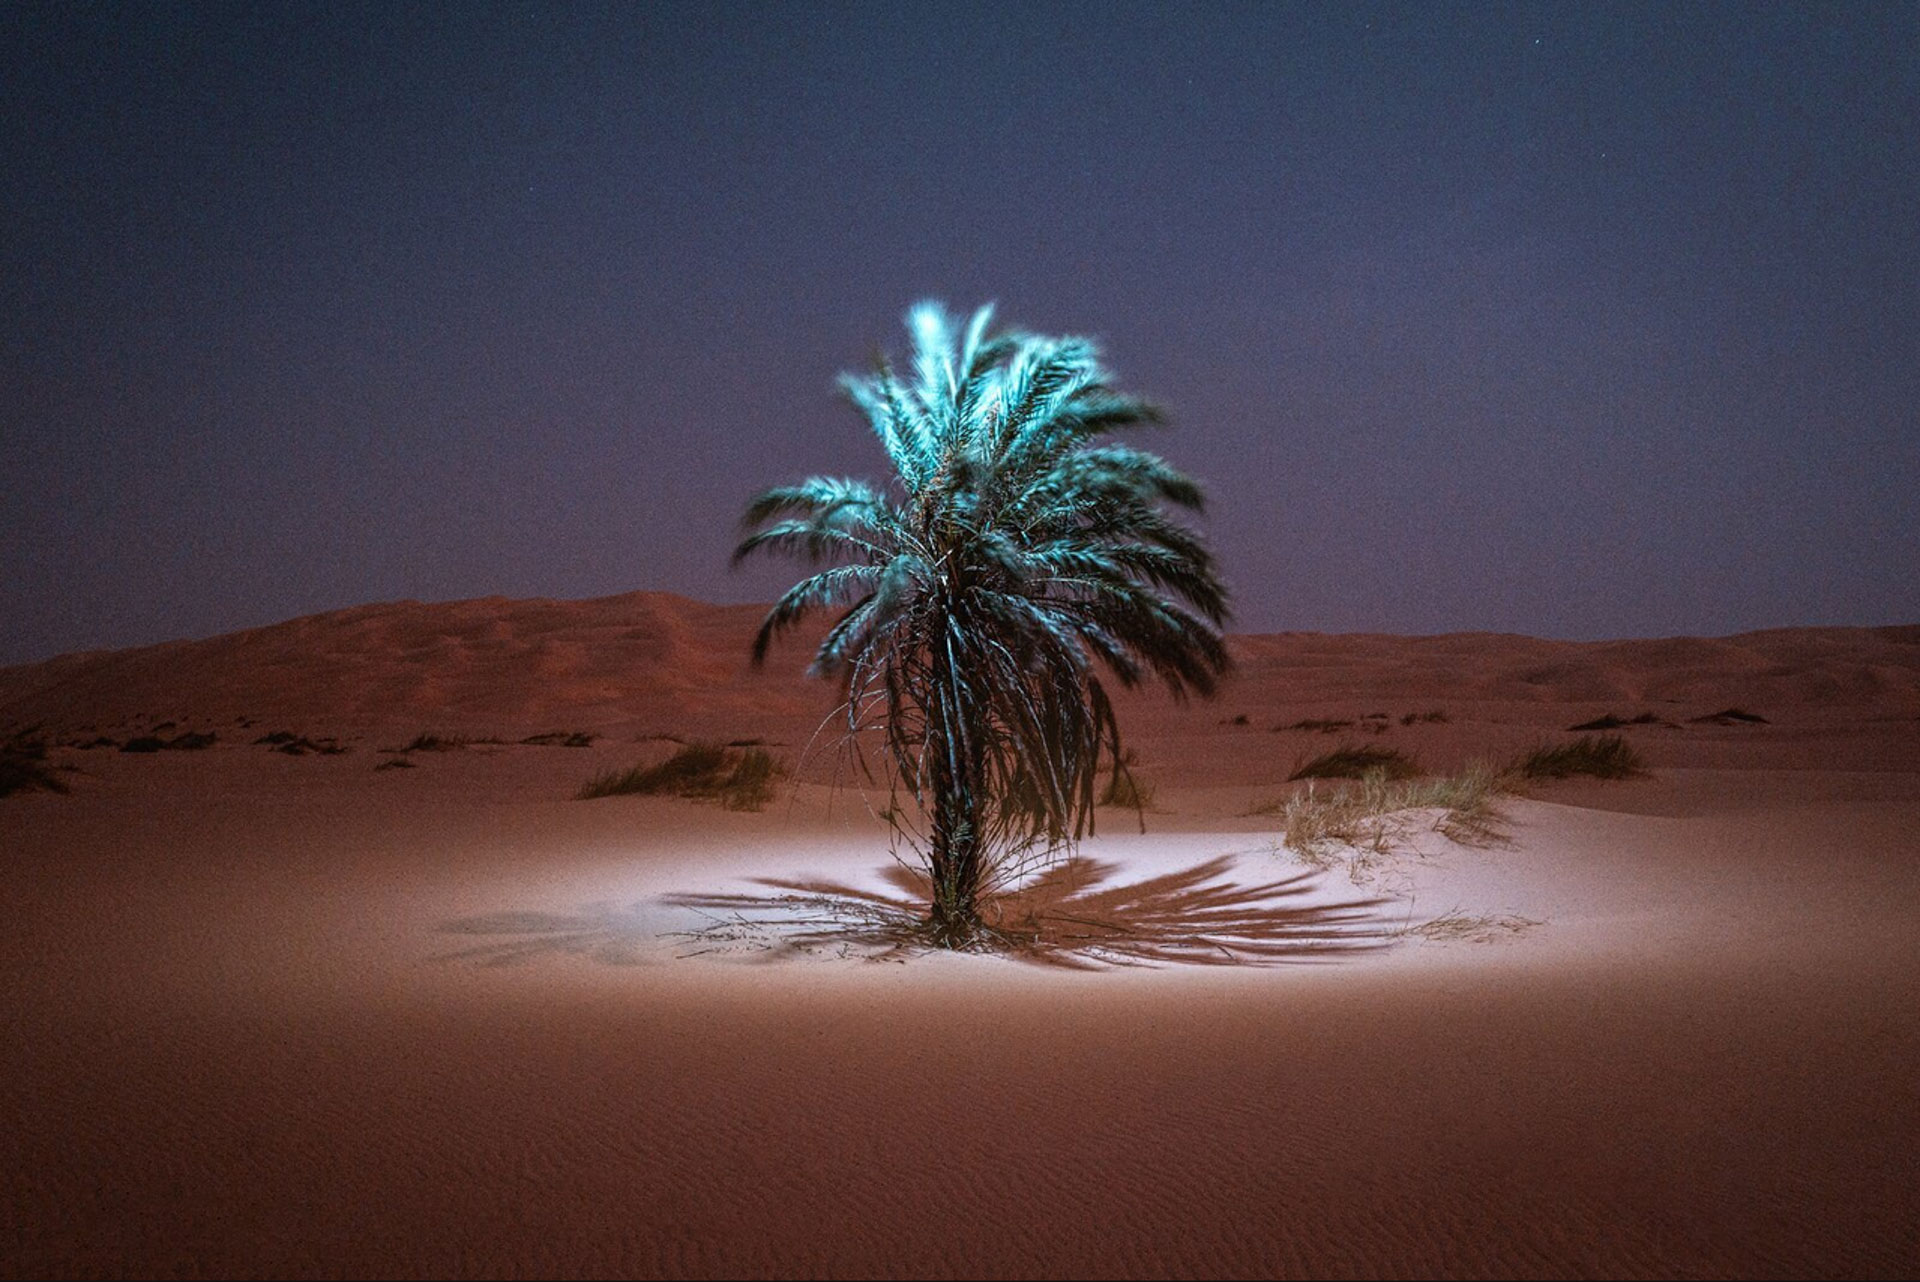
<point x="1018" y="556"/>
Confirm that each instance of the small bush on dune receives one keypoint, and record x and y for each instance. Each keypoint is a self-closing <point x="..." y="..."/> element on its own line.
<point x="739" y="780"/>
<point x="1606" y="756"/>
<point x="1355" y="761"/>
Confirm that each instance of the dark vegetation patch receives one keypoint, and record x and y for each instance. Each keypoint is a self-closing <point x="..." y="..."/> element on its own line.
<point x="396" y="763"/>
<point x="1606" y="756"/>
<point x="190" y="741"/>
<point x="23" y="767"/>
<point x="1240" y="720"/>
<point x="561" y="739"/>
<point x="1373" y="722"/>
<point x="1323" y="725"/>
<point x="298" y="745"/>
<point x="1613" y="722"/>
<point x="430" y="742"/>
<point x="1731" y="717"/>
<point x="739" y="779"/>
<point x="1356" y="761"/>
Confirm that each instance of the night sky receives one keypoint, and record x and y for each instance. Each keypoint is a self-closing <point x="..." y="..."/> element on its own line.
<point x="1579" y="321"/>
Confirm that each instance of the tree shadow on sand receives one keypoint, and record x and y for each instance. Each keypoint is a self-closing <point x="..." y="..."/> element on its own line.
<point x="1077" y="915"/>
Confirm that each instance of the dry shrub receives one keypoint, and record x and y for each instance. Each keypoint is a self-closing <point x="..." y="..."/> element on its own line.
<point x="738" y="780"/>
<point x="1356" y="761"/>
<point x="1359" y="826"/>
<point x="1606" y="756"/>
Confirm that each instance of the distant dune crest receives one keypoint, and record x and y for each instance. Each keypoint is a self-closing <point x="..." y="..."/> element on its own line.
<point x="651" y="657"/>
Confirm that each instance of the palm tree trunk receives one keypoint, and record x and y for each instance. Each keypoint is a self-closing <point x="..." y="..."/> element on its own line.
<point x="955" y="861"/>
<point x="955" y="864"/>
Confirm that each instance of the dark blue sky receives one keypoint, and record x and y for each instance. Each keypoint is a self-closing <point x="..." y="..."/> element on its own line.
<point x="1581" y="321"/>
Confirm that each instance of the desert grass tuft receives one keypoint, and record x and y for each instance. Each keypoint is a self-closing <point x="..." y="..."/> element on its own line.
<point x="1606" y="756"/>
<point x="750" y="784"/>
<point x="1457" y="926"/>
<point x="1369" y="817"/>
<point x="739" y="780"/>
<point x="1355" y="761"/>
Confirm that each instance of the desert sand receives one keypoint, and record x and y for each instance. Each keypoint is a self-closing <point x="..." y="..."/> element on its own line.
<point x="277" y="1014"/>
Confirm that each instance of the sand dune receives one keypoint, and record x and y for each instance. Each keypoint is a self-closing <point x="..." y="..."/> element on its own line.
<point x="292" y="1016"/>
<point x="644" y="657"/>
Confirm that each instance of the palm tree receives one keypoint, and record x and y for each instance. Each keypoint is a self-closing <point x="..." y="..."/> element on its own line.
<point x="1016" y="559"/>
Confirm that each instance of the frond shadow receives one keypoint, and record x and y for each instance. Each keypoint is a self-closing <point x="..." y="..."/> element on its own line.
<point x="1077" y="916"/>
<point x="604" y="933"/>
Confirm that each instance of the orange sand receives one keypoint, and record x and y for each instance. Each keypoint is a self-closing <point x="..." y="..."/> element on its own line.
<point x="276" y="1015"/>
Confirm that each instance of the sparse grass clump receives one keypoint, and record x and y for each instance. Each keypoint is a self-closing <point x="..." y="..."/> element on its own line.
<point x="1436" y="716"/>
<point x="1362" y="824"/>
<point x="1454" y="925"/>
<point x="1355" y="761"/>
<point x="738" y="779"/>
<point x="1605" y="756"/>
